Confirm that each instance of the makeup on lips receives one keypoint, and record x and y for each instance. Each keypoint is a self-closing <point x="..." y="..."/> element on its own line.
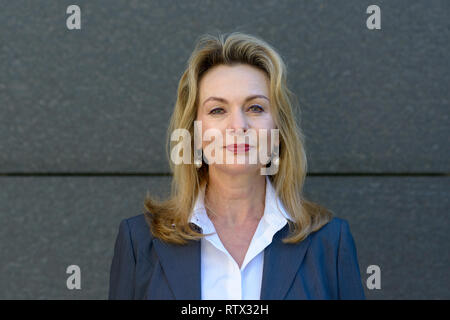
<point x="238" y="148"/>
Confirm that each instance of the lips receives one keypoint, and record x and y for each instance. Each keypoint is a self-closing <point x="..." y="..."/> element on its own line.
<point x="238" y="148"/>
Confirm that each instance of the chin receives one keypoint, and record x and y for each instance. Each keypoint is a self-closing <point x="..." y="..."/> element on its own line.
<point x="236" y="169"/>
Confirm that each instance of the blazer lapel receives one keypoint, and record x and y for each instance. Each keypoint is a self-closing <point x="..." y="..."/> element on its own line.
<point x="181" y="265"/>
<point x="281" y="263"/>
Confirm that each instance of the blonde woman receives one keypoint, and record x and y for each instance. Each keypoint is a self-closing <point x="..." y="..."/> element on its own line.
<point x="230" y="229"/>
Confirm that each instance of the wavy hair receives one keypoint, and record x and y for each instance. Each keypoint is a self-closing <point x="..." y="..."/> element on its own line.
<point x="169" y="219"/>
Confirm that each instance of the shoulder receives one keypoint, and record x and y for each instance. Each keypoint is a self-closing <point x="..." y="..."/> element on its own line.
<point x="137" y="224"/>
<point x="138" y="230"/>
<point x="335" y="225"/>
<point x="331" y="233"/>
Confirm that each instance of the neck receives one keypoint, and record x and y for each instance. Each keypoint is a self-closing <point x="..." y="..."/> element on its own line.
<point x="234" y="200"/>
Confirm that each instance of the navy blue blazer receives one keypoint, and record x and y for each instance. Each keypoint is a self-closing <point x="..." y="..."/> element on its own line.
<point x="323" y="266"/>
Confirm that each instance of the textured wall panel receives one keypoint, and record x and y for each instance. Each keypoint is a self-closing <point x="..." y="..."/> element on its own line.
<point x="99" y="99"/>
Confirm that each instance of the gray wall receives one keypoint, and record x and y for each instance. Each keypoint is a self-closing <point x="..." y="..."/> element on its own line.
<point x="82" y="114"/>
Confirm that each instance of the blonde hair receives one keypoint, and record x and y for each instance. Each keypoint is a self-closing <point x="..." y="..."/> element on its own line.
<point x="169" y="219"/>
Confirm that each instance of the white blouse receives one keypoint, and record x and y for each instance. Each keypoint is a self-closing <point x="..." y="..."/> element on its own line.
<point x="221" y="277"/>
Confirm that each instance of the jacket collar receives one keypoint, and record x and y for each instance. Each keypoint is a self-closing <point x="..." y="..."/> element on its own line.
<point x="181" y="266"/>
<point x="280" y="266"/>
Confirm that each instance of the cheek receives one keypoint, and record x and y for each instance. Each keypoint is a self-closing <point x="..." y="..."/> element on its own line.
<point x="266" y="137"/>
<point x="265" y="121"/>
<point x="266" y="124"/>
<point x="212" y="136"/>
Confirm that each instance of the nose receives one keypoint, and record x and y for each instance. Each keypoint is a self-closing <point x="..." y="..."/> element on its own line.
<point x="238" y="122"/>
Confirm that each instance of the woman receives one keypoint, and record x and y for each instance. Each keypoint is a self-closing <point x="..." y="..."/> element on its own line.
<point x="235" y="230"/>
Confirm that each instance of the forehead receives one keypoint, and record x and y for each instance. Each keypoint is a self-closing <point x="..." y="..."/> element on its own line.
<point x="233" y="81"/>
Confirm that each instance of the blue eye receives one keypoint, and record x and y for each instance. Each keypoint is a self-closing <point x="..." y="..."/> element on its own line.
<point x="258" y="108"/>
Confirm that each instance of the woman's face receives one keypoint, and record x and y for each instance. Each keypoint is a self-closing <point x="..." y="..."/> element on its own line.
<point x="233" y="100"/>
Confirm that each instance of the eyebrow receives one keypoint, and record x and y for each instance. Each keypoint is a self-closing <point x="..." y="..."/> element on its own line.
<point x="246" y="99"/>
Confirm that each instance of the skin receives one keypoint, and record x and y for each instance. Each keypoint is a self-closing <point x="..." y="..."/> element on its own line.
<point x="235" y="194"/>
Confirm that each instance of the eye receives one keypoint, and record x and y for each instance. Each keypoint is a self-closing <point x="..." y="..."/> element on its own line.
<point x="216" y="111"/>
<point x="257" y="108"/>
